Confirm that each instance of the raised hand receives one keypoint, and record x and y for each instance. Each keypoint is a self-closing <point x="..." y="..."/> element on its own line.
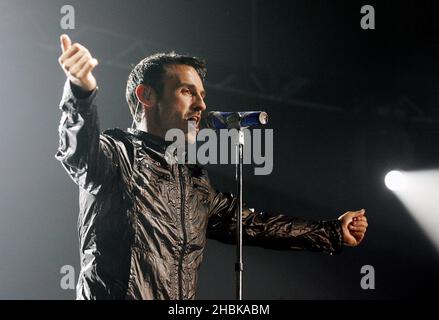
<point x="77" y="63"/>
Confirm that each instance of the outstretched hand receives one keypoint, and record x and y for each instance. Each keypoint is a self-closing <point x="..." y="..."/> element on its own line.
<point x="77" y="64"/>
<point x="354" y="225"/>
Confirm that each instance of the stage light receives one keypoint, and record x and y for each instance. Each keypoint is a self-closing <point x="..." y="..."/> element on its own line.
<point x="395" y="180"/>
<point x="418" y="191"/>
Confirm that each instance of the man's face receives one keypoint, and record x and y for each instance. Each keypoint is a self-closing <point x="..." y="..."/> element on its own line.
<point x="182" y="101"/>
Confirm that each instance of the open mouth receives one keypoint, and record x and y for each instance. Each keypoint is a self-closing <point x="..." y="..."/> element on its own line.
<point x="194" y="122"/>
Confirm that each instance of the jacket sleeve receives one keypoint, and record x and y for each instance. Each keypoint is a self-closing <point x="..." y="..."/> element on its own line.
<point x="273" y="231"/>
<point x="88" y="157"/>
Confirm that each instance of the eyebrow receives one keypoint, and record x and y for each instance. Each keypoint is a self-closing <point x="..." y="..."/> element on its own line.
<point x="184" y="84"/>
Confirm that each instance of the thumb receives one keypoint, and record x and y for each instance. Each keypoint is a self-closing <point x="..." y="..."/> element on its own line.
<point x="359" y="213"/>
<point x="65" y="42"/>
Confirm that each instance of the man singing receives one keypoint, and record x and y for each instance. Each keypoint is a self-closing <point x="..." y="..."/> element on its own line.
<point x="144" y="218"/>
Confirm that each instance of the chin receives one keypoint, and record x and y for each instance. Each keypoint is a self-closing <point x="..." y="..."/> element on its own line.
<point x="191" y="138"/>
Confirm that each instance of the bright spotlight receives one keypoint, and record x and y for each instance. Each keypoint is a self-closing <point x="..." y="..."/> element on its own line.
<point x="419" y="194"/>
<point x="395" y="180"/>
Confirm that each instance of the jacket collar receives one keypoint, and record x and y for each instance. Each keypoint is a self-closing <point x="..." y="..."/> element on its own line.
<point x="152" y="141"/>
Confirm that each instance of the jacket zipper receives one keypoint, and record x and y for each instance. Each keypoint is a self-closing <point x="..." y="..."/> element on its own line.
<point x="180" y="264"/>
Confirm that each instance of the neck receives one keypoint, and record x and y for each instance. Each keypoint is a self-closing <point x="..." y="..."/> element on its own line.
<point x="153" y="127"/>
<point x="142" y="125"/>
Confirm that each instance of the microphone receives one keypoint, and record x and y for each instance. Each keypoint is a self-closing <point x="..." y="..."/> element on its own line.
<point x="234" y="120"/>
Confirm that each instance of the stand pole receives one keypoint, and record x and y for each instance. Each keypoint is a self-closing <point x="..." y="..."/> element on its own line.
<point x="239" y="266"/>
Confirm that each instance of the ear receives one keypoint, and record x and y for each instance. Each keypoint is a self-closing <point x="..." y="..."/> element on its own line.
<point x="146" y="95"/>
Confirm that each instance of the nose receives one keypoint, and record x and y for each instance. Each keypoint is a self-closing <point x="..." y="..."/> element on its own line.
<point x="199" y="104"/>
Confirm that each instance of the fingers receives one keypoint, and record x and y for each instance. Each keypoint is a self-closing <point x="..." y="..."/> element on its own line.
<point x="359" y="213"/>
<point x="358" y="237"/>
<point x="350" y="215"/>
<point x="77" y="62"/>
<point x="71" y="62"/>
<point x="360" y="218"/>
<point x="350" y="240"/>
<point x="358" y="234"/>
<point x="70" y="52"/>
<point x="354" y="224"/>
<point x="350" y="218"/>
<point x="65" y="42"/>
<point x="88" y="67"/>
<point x="357" y="229"/>
<point x="359" y="225"/>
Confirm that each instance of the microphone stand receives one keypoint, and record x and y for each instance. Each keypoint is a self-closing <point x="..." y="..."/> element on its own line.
<point x="239" y="266"/>
<point x="239" y="121"/>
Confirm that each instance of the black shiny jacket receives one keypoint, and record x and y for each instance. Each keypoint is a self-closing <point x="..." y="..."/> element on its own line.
<point x="143" y="222"/>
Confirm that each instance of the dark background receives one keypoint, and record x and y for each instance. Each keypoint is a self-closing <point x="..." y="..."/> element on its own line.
<point x="346" y="105"/>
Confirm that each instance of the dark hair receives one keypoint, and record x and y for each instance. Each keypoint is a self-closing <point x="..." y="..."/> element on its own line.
<point x="150" y="71"/>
